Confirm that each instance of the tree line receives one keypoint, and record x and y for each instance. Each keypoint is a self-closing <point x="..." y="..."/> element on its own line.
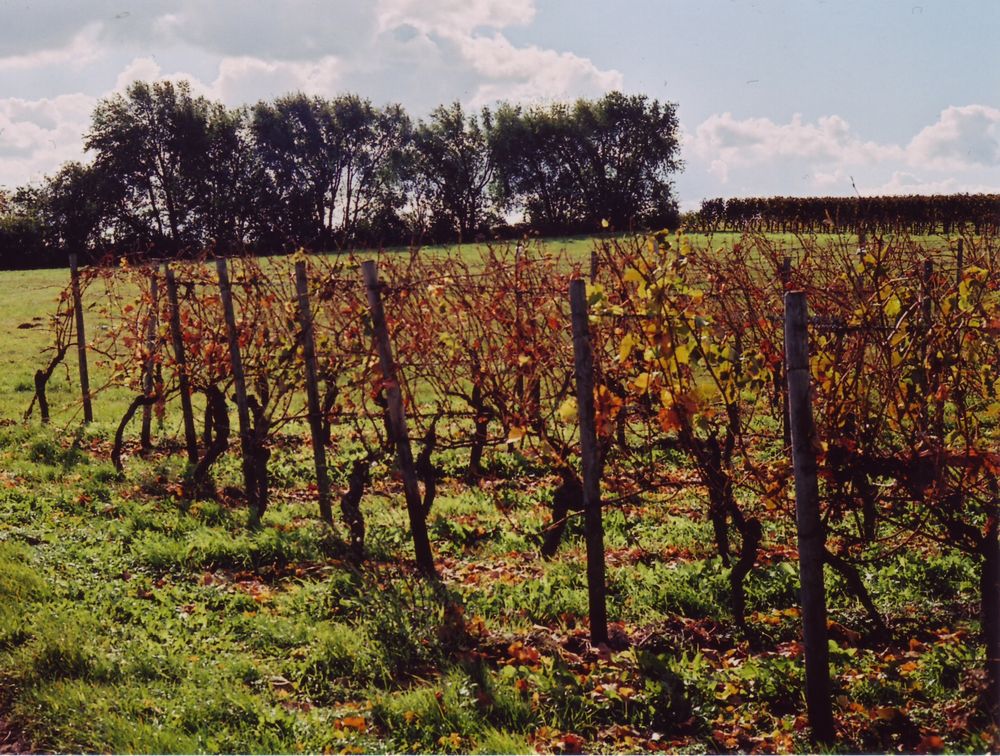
<point x="172" y="174"/>
<point x="915" y="214"/>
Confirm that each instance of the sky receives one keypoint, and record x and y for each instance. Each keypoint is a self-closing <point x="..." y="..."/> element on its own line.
<point x="791" y="97"/>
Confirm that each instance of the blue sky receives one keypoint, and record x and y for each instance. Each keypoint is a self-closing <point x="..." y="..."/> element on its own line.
<point x="793" y="97"/>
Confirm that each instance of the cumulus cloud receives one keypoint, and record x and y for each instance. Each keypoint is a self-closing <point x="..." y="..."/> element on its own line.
<point x="959" y="152"/>
<point x="82" y="48"/>
<point x="962" y="137"/>
<point x="244" y="79"/>
<point x="36" y="136"/>
<point x="531" y="73"/>
<point x="453" y="17"/>
<point x="752" y="141"/>
<point x="904" y="182"/>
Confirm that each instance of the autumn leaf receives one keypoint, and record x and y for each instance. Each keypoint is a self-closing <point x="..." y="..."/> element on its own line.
<point x="568" y="411"/>
<point x="516" y="434"/>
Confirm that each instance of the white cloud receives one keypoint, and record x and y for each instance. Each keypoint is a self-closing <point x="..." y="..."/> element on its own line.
<point x="83" y="48"/>
<point x="753" y="141"/>
<point x="138" y="69"/>
<point x="531" y="73"/>
<point x="244" y="79"/>
<point x="962" y="137"/>
<point x="453" y="18"/>
<point x="958" y="152"/>
<point x="36" y="136"/>
<point x="903" y="182"/>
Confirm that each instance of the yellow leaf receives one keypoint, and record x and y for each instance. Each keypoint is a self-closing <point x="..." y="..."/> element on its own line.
<point x="567" y="411"/>
<point x="604" y="223"/>
<point x="892" y="306"/>
<point x="516" y="434"/>
<point x="627" y="345"/>
<point x="682" y="354"/>
<point x="641" y="381"/>
<point x="523" y="359"/>
<point x="632" y="276"/>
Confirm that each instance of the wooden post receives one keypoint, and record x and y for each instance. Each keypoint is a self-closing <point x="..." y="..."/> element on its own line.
<point x="959" y="261"/>
<point x="928" y="305"/>
<point x="989" y="589"/>
<point x="397" y="419"/>
<point x="594" y="265"/>
<point x="518" y="331"/>
<point x="786" y="282"/>
<point x="81" y="339"/>
<point x="145" y="442"/>
<point x="811" y="538"/>
<point x="589" y="455"/>
<point x="177" y="335"/>
<point x="239" y="379"/>
<point x="312" y="391"/>
<point x="927" y="312"/>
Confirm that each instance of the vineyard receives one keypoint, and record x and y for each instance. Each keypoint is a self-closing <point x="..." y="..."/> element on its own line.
<point x="670" y="497"/>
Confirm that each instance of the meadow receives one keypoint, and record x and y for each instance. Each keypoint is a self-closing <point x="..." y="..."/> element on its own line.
<point x="135" y="617"/>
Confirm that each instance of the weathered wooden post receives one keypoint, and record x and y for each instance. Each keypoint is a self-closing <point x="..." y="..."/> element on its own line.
<point x="786" y="282"/>
<point x="312" y="391"/>
<point x="989" y="588"/>
<point x="589" y="454"/>
<point x="239" y="381"/>
<point x="177" y="336"/>
<point x="397" y="421"/>
<point x="81" y="339"/>
<point x="959" y="261"/>
<point x="927" y="313"/>
<point x="811" y="538"/>
<point x="927" y="301"/>
<point x="145" y="440"/>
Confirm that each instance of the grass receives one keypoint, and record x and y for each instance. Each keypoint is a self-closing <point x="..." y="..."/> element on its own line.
<point x="132" y="620"/>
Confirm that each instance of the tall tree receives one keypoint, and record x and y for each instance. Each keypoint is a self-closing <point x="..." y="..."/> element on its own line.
<point x="232" y="199"/>
<point x="151" y="142"/>
<point x="455" y="165"/>
<point x="22" y="230"/>
<point x="332" y="166"/>
<point x="73" y="204"/>
<point x="607" y="159"/>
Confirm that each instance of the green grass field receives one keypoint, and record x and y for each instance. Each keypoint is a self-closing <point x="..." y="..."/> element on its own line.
<point x="133" y="620"/>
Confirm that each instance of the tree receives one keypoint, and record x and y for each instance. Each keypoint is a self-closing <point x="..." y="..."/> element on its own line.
<point x="21" y="231"/>
<point x="72" y="206"/>
<point x="232" y="202"/>
<point x="531" y="176"/>
<point x="150" y="145"/>
<point x="332" y="166"/>
<point x="454" y="163"/>
<point x="574" y="166"/>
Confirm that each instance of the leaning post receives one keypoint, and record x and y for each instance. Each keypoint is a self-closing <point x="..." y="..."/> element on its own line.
<point x="177" y="336"/>
<point x="239" y="381"/>
<point x="397" y="421"/>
